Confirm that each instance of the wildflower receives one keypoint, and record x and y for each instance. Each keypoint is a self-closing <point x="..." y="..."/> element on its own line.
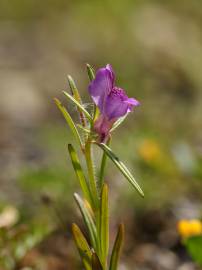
<point x="188" y="228"/>
<point x="111" y="100"/>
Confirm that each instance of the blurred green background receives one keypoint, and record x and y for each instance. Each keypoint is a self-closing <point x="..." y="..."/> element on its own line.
<point x="155" y="48"/>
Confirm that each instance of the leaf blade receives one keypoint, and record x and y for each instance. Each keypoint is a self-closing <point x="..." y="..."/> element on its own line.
<point x="79" y="173"/>
<point x="91" y="73"/>
<point x="69" y="121"/>
<point x="123" y="169"/>
<point x="82" y="246"/>
<point x="117" y="248"/>
<point x="88" y="221"/>
<point x="118" y="122"/>
<point x="77" y="97"/>
<point x="85" y="130"/>
<point x="73" y="100"/>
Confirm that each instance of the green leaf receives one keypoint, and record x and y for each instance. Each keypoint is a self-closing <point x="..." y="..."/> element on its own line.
<point x="96" y="264"/>
<point x="84" y="129"/>
<point x="118" y="122"/>
<point x="117" y="248"/>
<point x="73" y="100"/>
<point x="88" y="222"/>
<point x="194" y="247"/>
<point x="79" y="173"/>
<point x="91" y="73"/>
<point x="73" y="88"/>
<point x="77" y="97"/>
<point x="104" y="224"/>
<point x="82" y="246"/>
<point x="119" y="164"/>
<point x="69" y="121"/>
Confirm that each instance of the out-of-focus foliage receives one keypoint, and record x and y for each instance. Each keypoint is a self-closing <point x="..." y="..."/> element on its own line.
<point x="193" y="245"/>
<point x="16" y="241"/>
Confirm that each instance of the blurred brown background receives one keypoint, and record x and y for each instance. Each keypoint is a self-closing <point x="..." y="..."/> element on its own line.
<point x="155" y="48"/>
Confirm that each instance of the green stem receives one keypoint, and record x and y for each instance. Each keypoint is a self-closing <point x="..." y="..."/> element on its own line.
<point x="102" y="167"/>
<point x="91" y="173"/>
<point x="93" y="190"/>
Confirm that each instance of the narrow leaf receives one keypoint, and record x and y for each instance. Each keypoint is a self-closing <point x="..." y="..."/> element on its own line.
<point x="73" y="100"/>
<point x="119" y="164"/>
<point x="73" y="88"/>
<point x="79" y="173"/>
<point x="104" y="224"/>
<point x="77" y="97"/>
<point x="84" y="129"/>
<point x="117" y="248"/>
<point x="69" y="121"/>
<point x="91" y="73"/>
<point x="118" y="122"/>
<point x="88" y="221"/>
<point x="96" y="264"/>
<point x="82" y="246"/>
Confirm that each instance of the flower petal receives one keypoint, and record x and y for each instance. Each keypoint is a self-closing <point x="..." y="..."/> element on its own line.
<point x="116" y="106"/>
<point x="109" y="67"/>
<point x="101" y="86"/>
<point x="132" y="102"/>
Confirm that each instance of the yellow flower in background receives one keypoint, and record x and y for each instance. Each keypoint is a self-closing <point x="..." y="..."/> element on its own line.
<point x="195" y="227"/>
<point x="149" y="150"/>
<point x="187" y="228"/>
<point x="183" y="227"/>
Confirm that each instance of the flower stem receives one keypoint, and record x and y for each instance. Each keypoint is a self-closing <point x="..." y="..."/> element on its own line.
<point x="94" y="192"/>
<point x="102" y="167"/>
<point x="91" y="174"/>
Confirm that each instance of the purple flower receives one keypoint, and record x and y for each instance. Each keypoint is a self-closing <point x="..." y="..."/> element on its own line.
<point x="111" y="100"/>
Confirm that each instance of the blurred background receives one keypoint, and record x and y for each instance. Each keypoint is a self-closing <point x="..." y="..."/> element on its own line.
<point x="155" y="48"/>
